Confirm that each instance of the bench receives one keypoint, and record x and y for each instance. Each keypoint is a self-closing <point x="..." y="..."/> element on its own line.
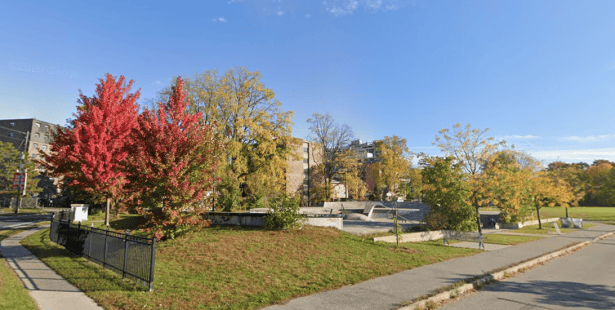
<point x="463" y="236"/>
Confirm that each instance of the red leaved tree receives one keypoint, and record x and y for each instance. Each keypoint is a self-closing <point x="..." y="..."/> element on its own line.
<point x="92" y="151"/>
<point x="172" y="165"/>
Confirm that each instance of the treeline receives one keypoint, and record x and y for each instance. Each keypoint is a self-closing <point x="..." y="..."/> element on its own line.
<point x="593" y="185"/>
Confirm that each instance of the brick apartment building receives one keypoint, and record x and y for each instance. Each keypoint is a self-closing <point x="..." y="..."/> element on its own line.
<point x="298" y="176"/>
<point x="28" y="135"/>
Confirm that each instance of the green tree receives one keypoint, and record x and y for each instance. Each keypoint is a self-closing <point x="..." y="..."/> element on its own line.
<point x="471" y="150"/>
<point x="393" y="166"/>
<point x="546" y="190"/>
<point x="9" y="165"/>
<point x="447" y="194"/>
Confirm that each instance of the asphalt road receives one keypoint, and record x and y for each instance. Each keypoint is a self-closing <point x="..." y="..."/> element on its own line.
<point x="582" y="280"/>
<point x="8" y="221"/>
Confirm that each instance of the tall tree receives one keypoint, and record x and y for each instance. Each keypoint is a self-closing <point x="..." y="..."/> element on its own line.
<point x="92" y="150"/>
<point x="504" y="183"/>
<point x="256" y="131"/>
<point x="332" y="140"/>
<point x="471" y="149"/>
<point x="393" y="165"/>
<point x="548" y="190"/>
<point x="447" y="194"/>
<point x="172" y="163"/>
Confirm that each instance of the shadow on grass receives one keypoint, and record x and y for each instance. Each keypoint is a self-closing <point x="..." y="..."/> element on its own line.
<point x="89" y="275"/>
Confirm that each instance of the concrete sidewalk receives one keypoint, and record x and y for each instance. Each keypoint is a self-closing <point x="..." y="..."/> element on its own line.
<point x="390" y="291"/>
<point x="49" y="290"/>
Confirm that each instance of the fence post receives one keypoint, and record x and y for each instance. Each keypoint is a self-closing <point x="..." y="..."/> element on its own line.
<point x="125" y="253"/>
<point x="90" y="243"/>
<point x="105" y="248"/>
<point x="151" y="271"/>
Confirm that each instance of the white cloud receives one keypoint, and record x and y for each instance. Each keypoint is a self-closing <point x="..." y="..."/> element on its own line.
<point x="219" y="20"/>
<point x="600" y="138"/>
<point x="347" y="7"/>
<point x="342" y="8"/>
<point x="575" y="155"/>
<point x="308" y="15"/>
<point x="518" y="137"/>
<point x="279" y="12"/>
<point x="373" y="5"/>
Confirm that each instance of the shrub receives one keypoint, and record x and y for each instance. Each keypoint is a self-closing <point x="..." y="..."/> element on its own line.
<point x="284" y="214"/>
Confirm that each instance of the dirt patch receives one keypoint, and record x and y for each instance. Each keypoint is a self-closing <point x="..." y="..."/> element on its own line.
<point x="402" y="249"/>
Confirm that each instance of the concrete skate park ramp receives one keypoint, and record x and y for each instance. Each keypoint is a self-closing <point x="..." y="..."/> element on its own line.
<point x="412" y="211"/>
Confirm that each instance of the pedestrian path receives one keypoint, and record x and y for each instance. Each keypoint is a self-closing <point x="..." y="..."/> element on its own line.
<point x="48" y="289"/>
<point x="390" y="292"/>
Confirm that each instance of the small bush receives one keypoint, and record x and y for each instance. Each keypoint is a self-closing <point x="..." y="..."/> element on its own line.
<point x="285" y="214"/>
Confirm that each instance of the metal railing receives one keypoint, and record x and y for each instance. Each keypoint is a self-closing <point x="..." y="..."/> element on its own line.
<point x="131" y="256"/>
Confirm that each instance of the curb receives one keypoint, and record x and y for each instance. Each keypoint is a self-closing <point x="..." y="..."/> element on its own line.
<point x="499" y="275"/>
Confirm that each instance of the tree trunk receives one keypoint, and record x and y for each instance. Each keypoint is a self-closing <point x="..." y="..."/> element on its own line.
<point x="538" y="214"/>
<point x="107" y="208"/>
<point x="567" y="212"/>
<point x="480" y="230"/>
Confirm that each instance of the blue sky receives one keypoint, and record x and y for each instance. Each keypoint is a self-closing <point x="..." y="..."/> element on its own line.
<point x="540" y="74"/>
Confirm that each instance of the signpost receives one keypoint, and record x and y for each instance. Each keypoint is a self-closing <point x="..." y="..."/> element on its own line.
<point x="19" y="181"/>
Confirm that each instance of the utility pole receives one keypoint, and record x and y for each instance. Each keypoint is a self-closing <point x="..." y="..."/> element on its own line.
<point x="21" y="186"/>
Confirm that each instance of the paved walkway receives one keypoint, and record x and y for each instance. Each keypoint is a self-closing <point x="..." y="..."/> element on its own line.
<point x="390" y="291"/>
<point x="49" y="290"/>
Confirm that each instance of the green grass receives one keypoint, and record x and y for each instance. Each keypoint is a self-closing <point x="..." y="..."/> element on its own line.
<point x="11" y="211"/>
<point x="548" y="228"/>
<point x="508" y="239"/>
<point x="233" y="268"/>
<point x="13" y="295"/>
<point x="586" y="213"/>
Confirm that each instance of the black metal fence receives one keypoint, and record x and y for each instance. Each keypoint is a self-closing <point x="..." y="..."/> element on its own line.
<point x="131" y="256"/>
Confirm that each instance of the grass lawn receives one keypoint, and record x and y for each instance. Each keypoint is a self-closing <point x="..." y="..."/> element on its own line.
<point x="13" y="295"/>
<point x="547" y="228"/>
<point x="508" y="239"/>
<point x="586" y="213"/>
<point x="235" y="268"/>
<point x="11" y="211"/>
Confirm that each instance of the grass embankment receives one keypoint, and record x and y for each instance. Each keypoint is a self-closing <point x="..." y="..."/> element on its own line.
<point x="233" y="268"/>
<point x="508" y="239"/>
<point x="13" y="295"/>
<point x="547" y="228"/>
<point x="586" y="213"/>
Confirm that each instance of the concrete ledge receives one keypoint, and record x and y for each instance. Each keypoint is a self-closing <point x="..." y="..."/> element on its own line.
<point x="336" y="222"/>
<point x="528" y="223"/>
<point x="413" y="237"/>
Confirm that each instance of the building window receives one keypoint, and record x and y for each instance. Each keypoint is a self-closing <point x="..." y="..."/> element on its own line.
<point x="46" y="138"/>
<point x="12" y="124"/>
<point x="11" y="134"/>
<point x="35" y="145"/>
<point x="44" y="147"/>
<point x="33" y="156"/>
<point x="38" y="135"/>
<point x="38" y="125"/>
<point x="47" y="127"/>
<point x="305" y="160"/>
<point x="305" y="149"/>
